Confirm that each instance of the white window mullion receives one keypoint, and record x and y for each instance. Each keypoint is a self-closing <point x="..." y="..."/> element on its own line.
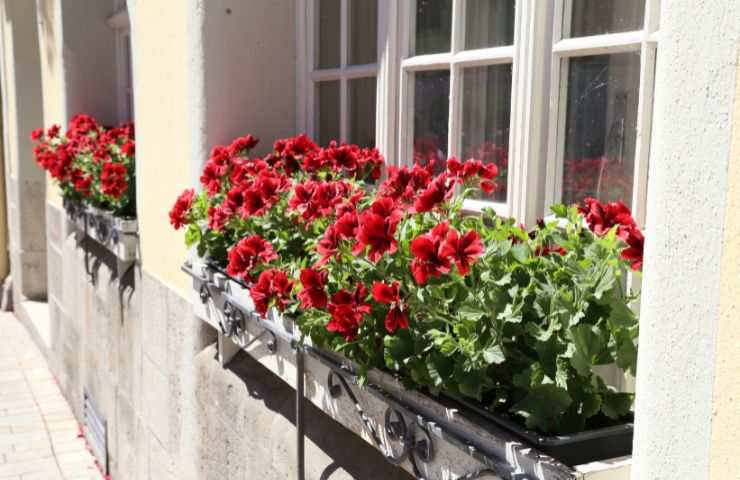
<point x="343" y="110"/>
<point x="387" y="81"/>
<point x="529" y="107"/>
<point x="599" y="44"/>
<point x="455" y="102"/>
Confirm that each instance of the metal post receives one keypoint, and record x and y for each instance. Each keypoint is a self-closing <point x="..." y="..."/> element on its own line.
<point x="300" y="452"/>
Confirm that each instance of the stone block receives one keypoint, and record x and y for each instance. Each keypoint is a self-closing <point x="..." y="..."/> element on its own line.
<point x="124" y="458"/>
<point x="154" y="314"/>
<point x="156" y="401"/>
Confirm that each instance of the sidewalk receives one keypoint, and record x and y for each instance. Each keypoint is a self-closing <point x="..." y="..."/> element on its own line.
<point x="38" y="433"/>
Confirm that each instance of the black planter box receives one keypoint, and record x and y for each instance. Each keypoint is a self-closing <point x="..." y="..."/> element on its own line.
<point x="575" y="449"/>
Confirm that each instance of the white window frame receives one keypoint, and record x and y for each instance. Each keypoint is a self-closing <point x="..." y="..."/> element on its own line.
<point x="528" y="120"/>
<point x="645" y="42"/>
<point x="119" y="22"/>
<point x="539" y="87"/>
<point x="309" y="75"/>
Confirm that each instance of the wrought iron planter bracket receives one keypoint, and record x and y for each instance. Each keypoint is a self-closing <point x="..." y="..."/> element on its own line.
<point x="118" y="235"/>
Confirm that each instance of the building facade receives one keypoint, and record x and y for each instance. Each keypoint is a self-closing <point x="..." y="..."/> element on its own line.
<point x="630" y="99"/>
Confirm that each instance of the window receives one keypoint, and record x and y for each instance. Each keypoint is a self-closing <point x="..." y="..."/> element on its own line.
<point x="342" y="69"/>
<point x="602" y="83"/>
<point x="557" y="94"/>
<point x="120" y="24"/>
<point x="456" y="84"/>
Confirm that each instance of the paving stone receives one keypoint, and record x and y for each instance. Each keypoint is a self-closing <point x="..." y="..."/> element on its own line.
<point x="39" y="436"/>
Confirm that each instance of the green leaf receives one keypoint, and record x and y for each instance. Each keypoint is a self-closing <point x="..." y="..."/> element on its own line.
<point x="542" y="405"/>
<point x="588" y="344"/>
<point x="616" y="404"/>
<point x="626" y="351"/>
<point x="520" y="252"/>
<point x="471" y="383"/>
<point x="493" y="354"/>
<point x="621" y="315"/>
<point x="559" y="210"/>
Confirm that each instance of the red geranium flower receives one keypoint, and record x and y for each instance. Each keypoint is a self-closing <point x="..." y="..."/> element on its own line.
<point x="347" y="225"/>
<point x="37" y="134"/>
<point x="428" y="259"/>
<point x="602" y="217"/>
<point x="272" y="288"/>
<point x="53" y="131"/>
<point x="438" y="191"/>
<point x="347" y="311"/>
<point x="218" y="217"/>
<point x="463" y="250"/>
<point x="390" y="294"/>
<point x="247" y="254"/>
<point x="128" y="148"/>
<point x="82" y="181"/>
<point x="636" y="244"/>
<point x="181" y="209"/>
<point x="313" y="294"/>
<point x="328" y="246"/>
<point x="241" y="145"/>
<point x="113" y="179"/>
<point x="377" y="227"/>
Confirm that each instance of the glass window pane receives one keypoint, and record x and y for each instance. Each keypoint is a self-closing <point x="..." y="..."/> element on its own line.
<point x="431" y="116"/>
<point x="329" y="33"/>
<point x="596" y="17"/>
<point x="489" y="23"/>
<point x="327" y="115"/>
<point x="363" y="32"/>
<point x="362" y="111"/>
<point x="486" y="115"/>
<point x="601" y="127"/>
<point x="433" y="27"/>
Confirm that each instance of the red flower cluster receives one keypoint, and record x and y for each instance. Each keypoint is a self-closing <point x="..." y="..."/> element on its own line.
<point x="273" y="288"/>
<point x="376" y="228"/>
<point x="418" y="188"/>
<point x="314" y="199"/>
<point x="602" y="217"/>
<point x="435" y="251"/>
<point x="114" y="179"/>
<point x="313" y="293"/>
<point x="247" y="254"/>
<point x="390" y="295"/>
<point x="181" y="209"/>
<point x="348" y="310"/>
<point x="88" y="161"/>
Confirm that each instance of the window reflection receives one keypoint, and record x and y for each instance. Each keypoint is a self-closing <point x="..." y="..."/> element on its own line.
<point x="486" y="117"/>
<point x="601" y="127"/>
<point x="489" y="23"/>
<point x="597" y="17"/>
<point x="431" y="116"/>
<point x="433" y="27"/>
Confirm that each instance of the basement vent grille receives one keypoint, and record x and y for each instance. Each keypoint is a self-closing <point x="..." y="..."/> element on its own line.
<point x="96" y="431"/>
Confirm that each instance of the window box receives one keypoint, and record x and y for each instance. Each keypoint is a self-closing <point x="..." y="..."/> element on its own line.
<point x="429" y="437"/>
<point x="118" y="235"/>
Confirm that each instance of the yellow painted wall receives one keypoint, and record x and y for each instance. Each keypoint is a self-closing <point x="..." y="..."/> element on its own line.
<point x="52" y="80"/>
<point x="159" y="32"/>
<point x="726" y="404"/>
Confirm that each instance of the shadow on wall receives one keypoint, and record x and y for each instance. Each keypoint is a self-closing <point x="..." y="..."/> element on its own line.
<point x="261" y="409"/>
<point x="97" y="256"/>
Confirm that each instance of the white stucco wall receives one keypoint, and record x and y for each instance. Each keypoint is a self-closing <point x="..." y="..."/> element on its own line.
<point x="694" y="93"/>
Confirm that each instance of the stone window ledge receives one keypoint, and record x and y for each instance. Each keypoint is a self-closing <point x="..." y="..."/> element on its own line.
<point x="425" y="437"/>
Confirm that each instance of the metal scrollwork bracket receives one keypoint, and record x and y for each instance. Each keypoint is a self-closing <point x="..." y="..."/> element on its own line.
<point x="204" y="294"/>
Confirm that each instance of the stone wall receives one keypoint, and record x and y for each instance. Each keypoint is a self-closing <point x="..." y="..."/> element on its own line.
<point x="172" y="410"/>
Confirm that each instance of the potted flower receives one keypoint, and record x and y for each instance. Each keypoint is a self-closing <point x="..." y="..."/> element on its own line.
<point x="94" y="168"/>
<point x="506" y="321"/>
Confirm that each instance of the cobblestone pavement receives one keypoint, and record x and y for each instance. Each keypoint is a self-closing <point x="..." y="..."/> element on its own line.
<point x="39" y="436"/>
